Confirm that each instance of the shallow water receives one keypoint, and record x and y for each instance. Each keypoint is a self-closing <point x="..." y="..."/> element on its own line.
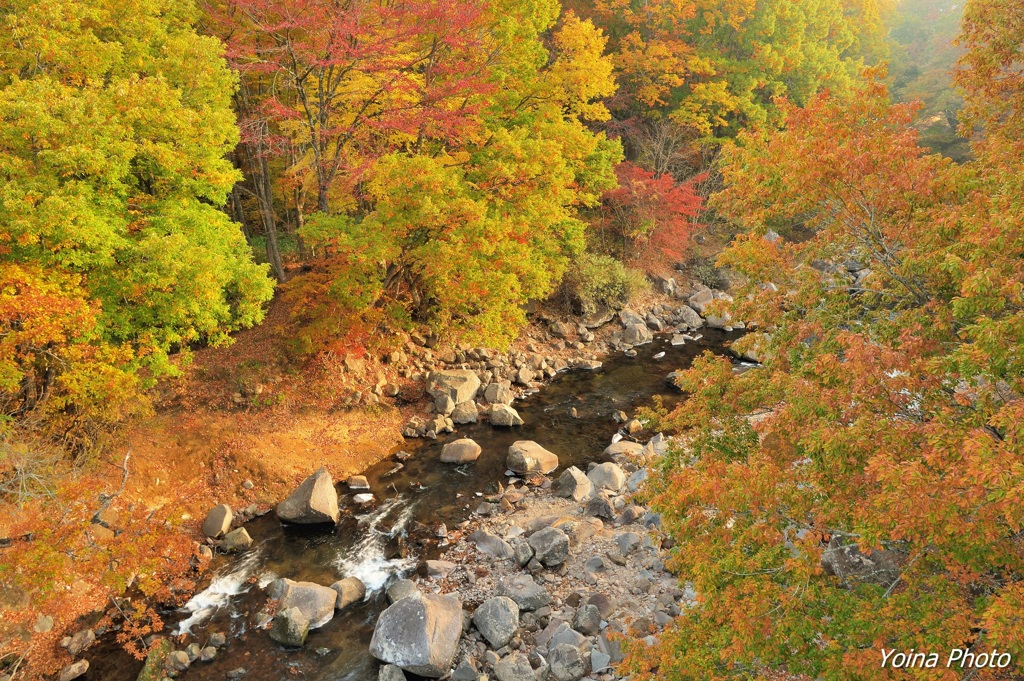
<point x="381" y="543"/>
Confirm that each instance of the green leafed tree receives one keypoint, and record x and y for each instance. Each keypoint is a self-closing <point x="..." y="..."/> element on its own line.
<point x="114" y="121"/>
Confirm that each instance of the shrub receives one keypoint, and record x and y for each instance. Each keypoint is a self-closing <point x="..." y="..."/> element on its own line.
<point x="596" y="281"/>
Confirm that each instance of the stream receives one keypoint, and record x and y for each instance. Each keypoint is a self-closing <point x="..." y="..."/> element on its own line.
<point x="378" y="545"/>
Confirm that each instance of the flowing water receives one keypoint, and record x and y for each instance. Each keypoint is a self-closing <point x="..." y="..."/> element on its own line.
<point x="379" y="544"/>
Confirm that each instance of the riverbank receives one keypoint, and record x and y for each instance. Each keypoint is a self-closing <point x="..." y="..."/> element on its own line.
<point x="251" y="471"/>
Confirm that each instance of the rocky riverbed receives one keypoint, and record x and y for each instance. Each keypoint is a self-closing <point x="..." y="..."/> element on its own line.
<point x="315" y="600"/>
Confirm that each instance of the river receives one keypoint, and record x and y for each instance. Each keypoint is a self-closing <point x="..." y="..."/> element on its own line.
<point x="383" y="543"/>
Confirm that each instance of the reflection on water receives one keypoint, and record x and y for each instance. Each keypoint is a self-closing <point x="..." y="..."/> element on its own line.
<point x="373" y="544"/>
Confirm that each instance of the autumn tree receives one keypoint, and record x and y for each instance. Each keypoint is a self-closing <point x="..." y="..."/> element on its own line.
<point x="114" y="122"/>
<point x="458" y="232"/>
<point x="862" y="490"/>
<point x="715" y="67"/>
<point x="649" y="210"/>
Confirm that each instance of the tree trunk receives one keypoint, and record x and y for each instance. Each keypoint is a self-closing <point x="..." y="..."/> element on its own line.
<point x="266" y="193"/>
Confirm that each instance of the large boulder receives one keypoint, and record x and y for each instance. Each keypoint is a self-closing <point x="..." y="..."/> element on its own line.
<point x="237" y="539"/>
<point x="550" y="546"/>
<point x="350" y="590"/>
<point x="624" y="449"/>
<point x="637" y="334"/>
<point x="460" y="451"/>
<point x="506" y="416"/>
<point x="314" y="501"/>
<point x="420" y="633"/>
<point x="514" y="667"/>
<point x="528" y="594"/>
<point x="290" y="628"/>
<point x="498" y="620"/>
<point x="499" y="392"/>
<point x="458" y="384"/>
<point x="688" y="317"/>
<point x="401" y="589"/>
<point x="567" y="663"/>
<point x="465" y="412"/>
<point x="629" y="317"/>
<point x="390" y="672"/>
<point x="573" y="484"/>
<point x="314" y="601"/>
<point x="74" y="670"/>
<point x="218" y="521"/>
<point x="607" y="476"/>
<point x="492" y="545"/>
<point x="80" y="641"/>
<point x="526" y="456"/>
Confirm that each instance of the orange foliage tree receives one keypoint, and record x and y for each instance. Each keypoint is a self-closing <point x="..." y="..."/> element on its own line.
<point x="876" y="500"/>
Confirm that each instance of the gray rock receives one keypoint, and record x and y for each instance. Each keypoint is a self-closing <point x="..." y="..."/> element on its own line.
<point x="637" y="334"/>
<point x="567" y="663"/>
<point x="600" y="506"/>
<point x="527" y="594"/>
<point x="565" y="635"/>
<point x="624" y="449"/>
<point x="627" y="542"/>
<point x="463" y="450"/>
<point x="314" y="501"/>
<point x="444" y="404"/>
<point x="465" y="412"/>
<point x="526" y="456"/>
<point x="635" y="480"/>
<point x="689" y="317"/>
<point x="499" y="393"/>
<point x="236" y="540"/>
<point x="290" y="628"/>
<point x="458" y="384"/>
<point x="492" y="545"/>
<point x="505" y="416"/>
<point x="314" y="601"/>
<point x="845" y="560"/>
<point x="350" y="590"/>
<point x="598" y="317"/>
<point x="611" y="648"/>
<point x="522" y="552"/>
<point x="80" y="641"/>
<point x="277" y="587"/>
<point x="390" y="672"/>
<point x="599" y="661"/>
<point x="192" y="650"/>
<point x="419" y="633"/>
<point x="607" y="476"/>
<point x="207" y="654"/>
<point x="562" y="329"/>
<point x="440" y="568"/>
<point x="550" y="546"/>
<point x="514" y="667"/>
<point x="594" y="564"/>
<point x="74" y="670"/>
<point x="466" y="671"/>
<point x="218" y="521"/>
<point x="587" y="620"/>
<point x="629" y="317"/>
<point x="632" y="513"/>
<point x="358" y="483"/>
<point x="573" y="484"/>
<point x="524" y="376"/>
<point x="177" y="661"/>
<point x="401" y="589"/>
<point x="498" y="620"/>
<point x="218" y="639"/>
